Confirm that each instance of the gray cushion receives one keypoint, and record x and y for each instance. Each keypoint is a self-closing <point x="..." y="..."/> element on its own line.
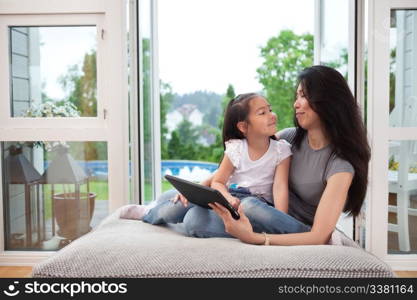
<point x="129" y="248"/>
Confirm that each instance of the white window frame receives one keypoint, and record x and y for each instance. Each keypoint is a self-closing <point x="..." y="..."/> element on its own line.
<point x="380" y="132"/>
<point x="156" y="95"/>
<point x="110" y="16"/>
<point x="6" y="120"/>
<point x="154" y="106"/>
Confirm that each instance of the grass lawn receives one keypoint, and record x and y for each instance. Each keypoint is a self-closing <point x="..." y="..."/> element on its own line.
<point x="165" y="186"/>
<point x="99" y="187"/>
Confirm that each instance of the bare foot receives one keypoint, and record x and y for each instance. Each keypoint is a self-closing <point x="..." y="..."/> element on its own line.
<point x="133" y="211"/>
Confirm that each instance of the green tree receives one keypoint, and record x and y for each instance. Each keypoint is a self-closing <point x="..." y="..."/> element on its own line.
<point x="147" y="116"/>
<point x="81" y="87"/>
<point x="174" y="146"/>
<point x="187" y="132"/>
<point x="230" y="94"/>
<point x="183" y="142"/>
<point x="211" y="118"/>
<point x="284" y="56"/>
<point x="214" y="152"/>
<point x="166" y="97"/>
<point x="393" y="56"/>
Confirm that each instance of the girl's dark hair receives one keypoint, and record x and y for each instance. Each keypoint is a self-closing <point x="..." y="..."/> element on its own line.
<point x="237" y="110"/>
<point x="329" y="96"/>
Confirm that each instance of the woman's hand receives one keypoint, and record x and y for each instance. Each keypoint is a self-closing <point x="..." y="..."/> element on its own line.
<point x="241" y="229"/>
<point x="180" y="197"/>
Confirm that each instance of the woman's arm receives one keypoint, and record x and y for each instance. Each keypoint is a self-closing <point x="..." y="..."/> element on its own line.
<point x="220" y="179"/>
<point x="327" y="214"/>
<point x="280" y="186"/>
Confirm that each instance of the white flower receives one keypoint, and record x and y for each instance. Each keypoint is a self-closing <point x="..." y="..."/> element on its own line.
<point x="50" y="109"/>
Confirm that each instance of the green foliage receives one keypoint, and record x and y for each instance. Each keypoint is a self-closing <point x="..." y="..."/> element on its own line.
<point x="341" y="61"/>
<point x="230" y="94"/>
<point x="215" y="151"/>
<point x="82" y="86"/>
<point x="284" y="56"/>
<point x="147" y="115"/>
<point x="174" y="146"/>
<point x="82" y="92"/>
<point x="166" y="97"/>
<point x="393" y="56"/>
<point x="211" y="118"/>
<point x="205" y="101"/>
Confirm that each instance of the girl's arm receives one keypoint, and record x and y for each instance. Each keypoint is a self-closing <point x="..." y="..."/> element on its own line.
<point x="327" y="214"/>
<point x="280" y="186"/>
<point x="220" y="179"/>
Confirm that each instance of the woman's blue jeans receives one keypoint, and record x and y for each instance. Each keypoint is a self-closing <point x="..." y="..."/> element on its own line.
<point x="205" y="223"/>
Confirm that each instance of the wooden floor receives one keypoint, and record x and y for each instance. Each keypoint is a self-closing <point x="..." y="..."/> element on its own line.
<point x="15" y="272"/>
<point x="25" y="272"/>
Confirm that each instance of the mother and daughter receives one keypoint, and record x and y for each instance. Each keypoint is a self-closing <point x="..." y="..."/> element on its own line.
<point x="290" y="187"/>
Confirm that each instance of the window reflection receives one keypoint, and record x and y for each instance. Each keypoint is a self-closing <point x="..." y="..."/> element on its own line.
<point x="402" y="198"/>
<point x="46" y="68"/>
<point x="53" y="192"/>
<point x="403" y="69"/>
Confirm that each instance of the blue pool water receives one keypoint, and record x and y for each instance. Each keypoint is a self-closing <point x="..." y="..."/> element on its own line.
<point x="174" y="166"/>
<point x="99" y="168"/>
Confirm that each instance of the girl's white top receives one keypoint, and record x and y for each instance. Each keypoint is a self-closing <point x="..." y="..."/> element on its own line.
<point x="256" y="175"/>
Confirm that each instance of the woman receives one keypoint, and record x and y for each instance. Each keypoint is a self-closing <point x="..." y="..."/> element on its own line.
<point x="328" y="174"/>
<point x="329" y="167"/>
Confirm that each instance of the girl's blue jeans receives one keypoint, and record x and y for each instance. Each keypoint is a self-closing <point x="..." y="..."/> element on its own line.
<point x="204" y="223"/>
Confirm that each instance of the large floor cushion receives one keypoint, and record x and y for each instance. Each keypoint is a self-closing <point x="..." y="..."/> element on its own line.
<point x="128" y="248"/>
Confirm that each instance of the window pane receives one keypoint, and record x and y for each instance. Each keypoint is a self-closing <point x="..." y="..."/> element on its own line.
<point x="402" y="211"/>
<point x="403" y="69"/>
<point x="146" y="88"/>
<point x="204" y="64"/>
<point x="53" y="76"/>
<point x="335" y="34"/>
<point x="53" y="192"/>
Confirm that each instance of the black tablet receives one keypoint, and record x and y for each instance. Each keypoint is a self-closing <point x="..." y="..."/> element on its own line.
<point x="200" y="194"/>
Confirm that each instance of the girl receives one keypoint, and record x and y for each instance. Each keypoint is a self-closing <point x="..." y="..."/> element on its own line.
<point x="252" y="157"/>
<point x="254" y="162"/>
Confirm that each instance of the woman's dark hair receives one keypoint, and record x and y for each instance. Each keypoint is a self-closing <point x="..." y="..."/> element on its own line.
<point x="329" y="96"/>
<point x="237" y="110"/>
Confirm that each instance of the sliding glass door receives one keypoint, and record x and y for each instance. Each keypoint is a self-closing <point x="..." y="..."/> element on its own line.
<point x="393" y="123"/>
<point x="63" y="120"/>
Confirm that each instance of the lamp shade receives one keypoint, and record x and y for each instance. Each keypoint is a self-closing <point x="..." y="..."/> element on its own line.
<point x="19" y="170"/>
<point x="64" y="169"/>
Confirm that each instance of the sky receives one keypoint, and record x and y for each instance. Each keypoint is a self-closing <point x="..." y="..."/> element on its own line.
<point x="206" y="45"/>
<point x="62" y="47"/>
<point x="203" y="44"/>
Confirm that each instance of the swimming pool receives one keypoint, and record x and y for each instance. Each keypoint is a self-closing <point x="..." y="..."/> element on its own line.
<point x="181" y="168"/>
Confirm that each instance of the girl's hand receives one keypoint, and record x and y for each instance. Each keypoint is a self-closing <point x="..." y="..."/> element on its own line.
<point x="235" y="202"/>
<point x="180" y="197"/>
<point x="241" y="229"/>
<point x="207" y="182"/>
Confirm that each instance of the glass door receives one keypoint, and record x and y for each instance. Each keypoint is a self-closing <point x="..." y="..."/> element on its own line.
<point x="334" y="44"/>
<point x="393" y="98"/>
<point x="63" y="121"/>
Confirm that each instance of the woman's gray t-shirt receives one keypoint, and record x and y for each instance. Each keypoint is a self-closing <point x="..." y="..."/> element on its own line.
<point x="307" y="178"/>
